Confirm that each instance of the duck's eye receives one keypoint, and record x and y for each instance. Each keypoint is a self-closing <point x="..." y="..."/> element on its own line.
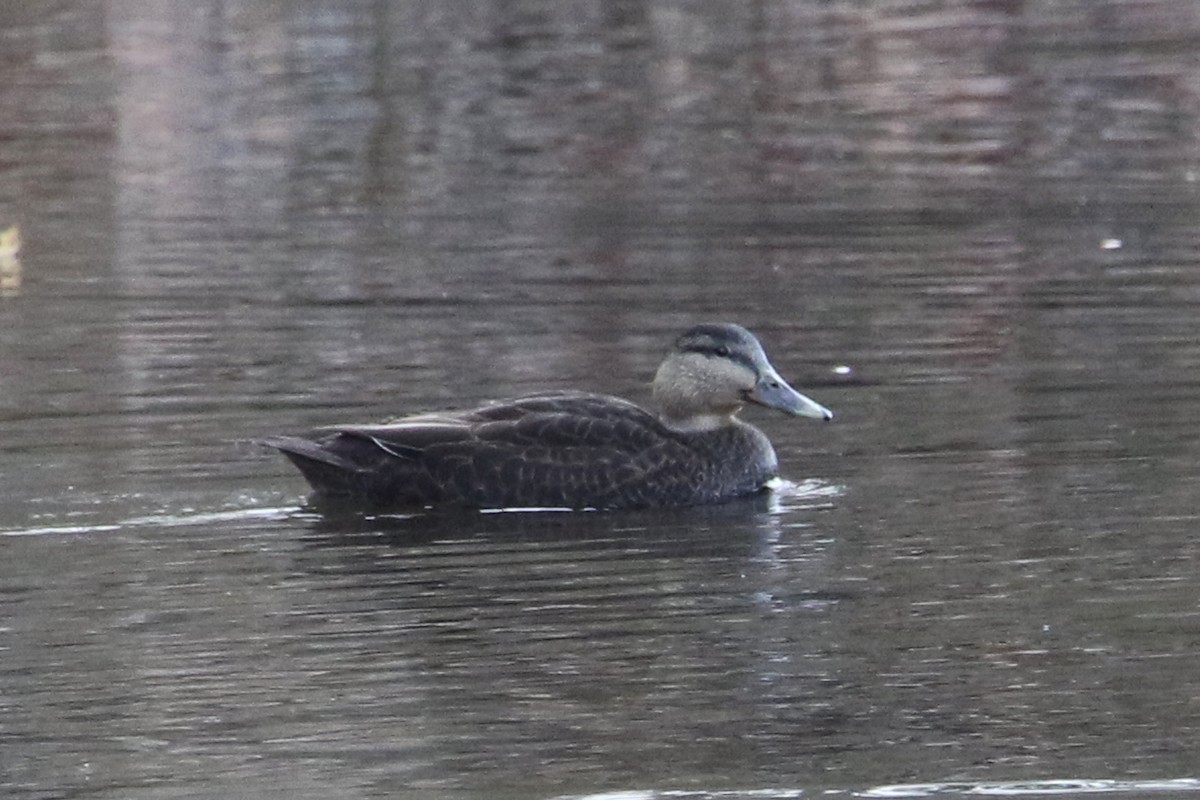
<point x="722" y="351"/>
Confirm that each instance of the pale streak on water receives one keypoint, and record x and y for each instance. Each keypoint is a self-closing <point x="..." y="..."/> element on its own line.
<point x="968" y="228"/>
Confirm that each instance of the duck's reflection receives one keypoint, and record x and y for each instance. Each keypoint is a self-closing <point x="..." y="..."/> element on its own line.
<point x="534" y="637"/>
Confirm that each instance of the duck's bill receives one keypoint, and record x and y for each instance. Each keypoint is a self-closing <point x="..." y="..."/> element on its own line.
<point x="772" y="391"/>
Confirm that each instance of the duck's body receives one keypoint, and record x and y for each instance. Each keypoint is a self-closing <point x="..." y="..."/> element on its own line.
<point x="572" y="449"/>
<point x="565" y="449"/>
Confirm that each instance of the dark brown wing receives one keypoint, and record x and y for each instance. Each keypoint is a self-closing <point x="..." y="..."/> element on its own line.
<point x="563" y="449"/>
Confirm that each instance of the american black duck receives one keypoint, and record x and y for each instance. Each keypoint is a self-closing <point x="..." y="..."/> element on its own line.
<point x="572" y="449"/>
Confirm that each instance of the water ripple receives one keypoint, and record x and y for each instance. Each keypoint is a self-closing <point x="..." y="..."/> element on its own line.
<point x="1034" y="788"/>
<point x="990" y="788"/>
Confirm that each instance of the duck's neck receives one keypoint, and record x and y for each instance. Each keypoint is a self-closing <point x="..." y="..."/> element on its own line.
<point x="697" y="423"/>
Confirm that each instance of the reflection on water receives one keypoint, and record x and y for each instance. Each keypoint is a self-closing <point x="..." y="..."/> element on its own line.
<point x="970" y="227"/>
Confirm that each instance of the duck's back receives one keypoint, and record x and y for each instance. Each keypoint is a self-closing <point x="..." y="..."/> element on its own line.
<point x="563" y="449"/>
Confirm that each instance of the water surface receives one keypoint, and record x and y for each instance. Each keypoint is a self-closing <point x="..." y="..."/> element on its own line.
<point x="969" y="229"/>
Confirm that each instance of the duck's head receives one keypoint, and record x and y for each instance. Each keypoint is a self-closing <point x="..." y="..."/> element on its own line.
<point x="714" y="370"/>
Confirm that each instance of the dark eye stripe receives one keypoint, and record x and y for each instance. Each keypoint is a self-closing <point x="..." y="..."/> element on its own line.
<point x="712" y="350"/>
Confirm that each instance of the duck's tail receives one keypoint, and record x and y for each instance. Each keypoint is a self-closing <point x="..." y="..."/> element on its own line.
<point x="328" y="473"/>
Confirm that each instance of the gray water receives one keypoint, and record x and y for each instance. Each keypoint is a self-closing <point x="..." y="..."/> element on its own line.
<point x="970" y="228"/>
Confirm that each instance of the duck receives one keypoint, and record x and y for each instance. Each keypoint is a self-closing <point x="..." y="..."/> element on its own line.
<point x="571" y="449"/>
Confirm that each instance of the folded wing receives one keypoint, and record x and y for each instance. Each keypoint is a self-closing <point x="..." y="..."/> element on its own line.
<point x="564" y="449"/>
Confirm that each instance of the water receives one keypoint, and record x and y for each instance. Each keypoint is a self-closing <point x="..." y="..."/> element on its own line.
<point x="969" y="230"/>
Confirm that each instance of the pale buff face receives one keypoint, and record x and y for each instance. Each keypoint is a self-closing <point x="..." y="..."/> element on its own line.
<point x="699" y="392"/>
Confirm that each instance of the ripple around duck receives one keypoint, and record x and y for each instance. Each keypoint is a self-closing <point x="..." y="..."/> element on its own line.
<point x="785" y="496"/>
<point x="166" y="520"/>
